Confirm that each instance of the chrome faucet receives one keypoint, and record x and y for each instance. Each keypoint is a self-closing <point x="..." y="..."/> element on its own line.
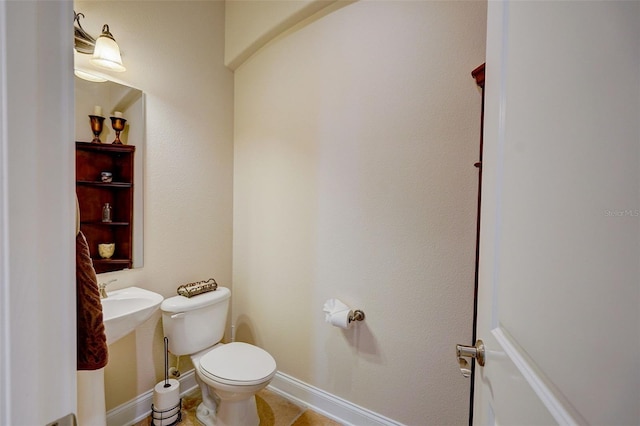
<point x="102" y="288"/>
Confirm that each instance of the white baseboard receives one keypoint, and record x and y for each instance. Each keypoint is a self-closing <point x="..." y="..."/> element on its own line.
<point x="140" y="408"/>
<point x="331" y="406"/>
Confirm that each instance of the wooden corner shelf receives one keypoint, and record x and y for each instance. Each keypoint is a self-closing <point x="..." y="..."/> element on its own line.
<point x="91" y="160"/>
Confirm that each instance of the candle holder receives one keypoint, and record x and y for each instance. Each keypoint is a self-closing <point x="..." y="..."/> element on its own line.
<point x="118" y="125"/>
<point x="96" y="127"/>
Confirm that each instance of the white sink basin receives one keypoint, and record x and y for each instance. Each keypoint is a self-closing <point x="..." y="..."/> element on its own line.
<point x="124" y="310"/>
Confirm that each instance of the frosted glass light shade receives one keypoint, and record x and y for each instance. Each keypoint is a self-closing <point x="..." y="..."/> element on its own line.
<point x="107" y="53"/>
<point x="88" y="76"/>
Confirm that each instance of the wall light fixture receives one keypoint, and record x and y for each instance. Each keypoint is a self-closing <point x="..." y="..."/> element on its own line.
<point x="105" y="51"/>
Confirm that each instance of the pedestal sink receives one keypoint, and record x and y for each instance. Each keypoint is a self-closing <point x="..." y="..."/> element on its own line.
<point x="122" y="312"/>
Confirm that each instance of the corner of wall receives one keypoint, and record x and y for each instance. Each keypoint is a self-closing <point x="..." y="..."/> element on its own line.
<point x="251" y="25"/>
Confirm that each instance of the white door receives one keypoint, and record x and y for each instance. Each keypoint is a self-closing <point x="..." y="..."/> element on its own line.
<point x="559" y="292"/>
<point x="37" y="214"/>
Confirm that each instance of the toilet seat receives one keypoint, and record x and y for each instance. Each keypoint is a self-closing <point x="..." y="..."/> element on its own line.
<point x="238" y="363"/>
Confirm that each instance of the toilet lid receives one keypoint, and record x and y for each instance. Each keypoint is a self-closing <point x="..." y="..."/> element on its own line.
<point x="238" y="363"/>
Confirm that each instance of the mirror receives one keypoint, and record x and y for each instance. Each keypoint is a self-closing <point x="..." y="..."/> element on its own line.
<point x="112" y="97"/>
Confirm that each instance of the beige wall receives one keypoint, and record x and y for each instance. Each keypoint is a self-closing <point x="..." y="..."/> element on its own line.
<point x="355" y="138"/>
<point x="174" y="52"/>
<point x="250" y="24"/>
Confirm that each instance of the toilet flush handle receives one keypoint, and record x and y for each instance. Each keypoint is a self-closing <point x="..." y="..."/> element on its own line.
<point x="178" y="315"/>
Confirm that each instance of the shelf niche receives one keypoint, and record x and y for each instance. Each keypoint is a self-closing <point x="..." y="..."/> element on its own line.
<point x="91" y="160"/>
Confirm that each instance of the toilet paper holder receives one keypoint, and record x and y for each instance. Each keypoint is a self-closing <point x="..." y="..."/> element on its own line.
<point x="161" y="417"/>
<point x="340" y="315"/>
<point x="357" y="315"/>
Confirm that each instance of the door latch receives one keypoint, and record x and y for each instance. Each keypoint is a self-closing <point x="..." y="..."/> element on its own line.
<point x="472" y="352"/>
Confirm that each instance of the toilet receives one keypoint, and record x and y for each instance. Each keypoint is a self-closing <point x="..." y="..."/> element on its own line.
<point x="229" y="375"/>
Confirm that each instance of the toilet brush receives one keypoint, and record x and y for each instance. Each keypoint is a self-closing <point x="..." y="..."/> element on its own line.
<point x="165" y="410"/>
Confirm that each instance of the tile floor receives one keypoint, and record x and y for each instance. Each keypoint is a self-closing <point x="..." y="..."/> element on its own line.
<point x="273" y="410"/>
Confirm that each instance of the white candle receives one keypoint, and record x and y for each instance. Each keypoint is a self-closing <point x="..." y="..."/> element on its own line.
<point x="117" y="114"/>
<point x="97" y="110"/>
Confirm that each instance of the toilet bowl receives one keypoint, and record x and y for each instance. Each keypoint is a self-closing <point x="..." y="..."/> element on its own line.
<point x="229" y="375"/>
<point x="233" y="373"/>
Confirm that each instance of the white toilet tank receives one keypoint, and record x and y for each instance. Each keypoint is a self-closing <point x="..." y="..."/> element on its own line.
<point x="195" y="323"/>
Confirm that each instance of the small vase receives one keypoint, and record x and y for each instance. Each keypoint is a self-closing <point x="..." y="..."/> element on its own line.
<point x="118" y="125"/>
<point x="96" y="127"/>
